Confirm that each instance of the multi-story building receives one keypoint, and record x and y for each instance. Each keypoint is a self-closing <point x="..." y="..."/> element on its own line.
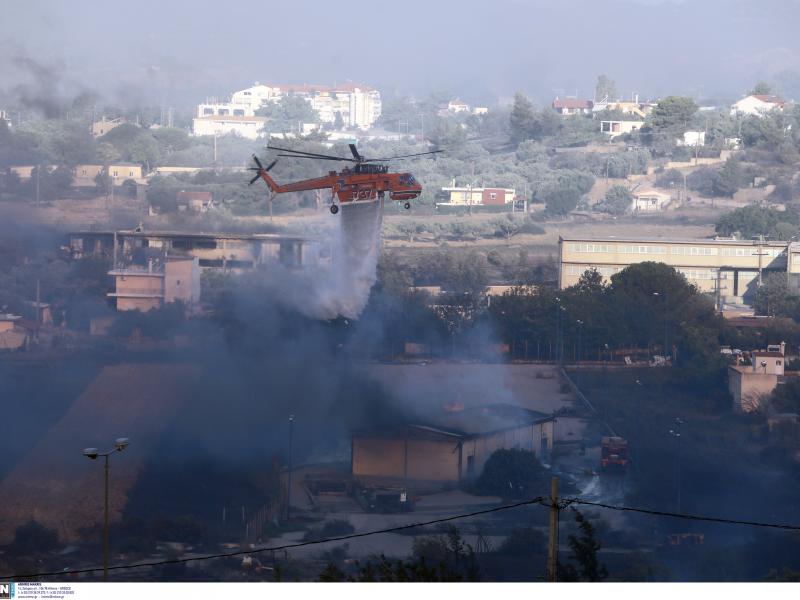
<point x="228" y="251"/>
<point x="163" y="282"/>
<point x="358" y="105"/>
<point x="243" y="126"/>
<point x="729" y="268"/>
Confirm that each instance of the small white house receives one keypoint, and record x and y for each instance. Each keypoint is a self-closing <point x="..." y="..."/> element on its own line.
<point x="757" y="104"/>
<point x="693" y="139"/>
<point x="650" y="201"/>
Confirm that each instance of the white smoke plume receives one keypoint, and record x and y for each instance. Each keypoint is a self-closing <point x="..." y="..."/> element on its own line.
<point x="341" y="289"/>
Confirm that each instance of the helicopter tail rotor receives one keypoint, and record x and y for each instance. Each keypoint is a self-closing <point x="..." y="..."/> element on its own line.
<point x="260" y="169"/>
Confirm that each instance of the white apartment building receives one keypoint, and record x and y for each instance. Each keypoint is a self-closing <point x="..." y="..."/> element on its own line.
<point x="359" y="106"/>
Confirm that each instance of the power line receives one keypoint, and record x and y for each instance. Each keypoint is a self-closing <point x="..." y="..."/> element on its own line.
<point x="350" y="536"/>
<point x="659" y="513"/>
<point x="544" y="501"/>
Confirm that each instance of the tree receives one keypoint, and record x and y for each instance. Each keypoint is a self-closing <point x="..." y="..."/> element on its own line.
<point x="338" y="121"/>
<point x="605" y="88"/>
<point x="561" y="200"/>
<point x="762" y="88"/>
<point x="584" y="548"/>
<point x="521" y="118"/>
<point x="287" y="114"/>
<point x="750" y="221"/>
<point x="513" y="473"/>
<point x="618" y="200"/>
<point x="774" y="298"/>
<point x="673" y="114"/>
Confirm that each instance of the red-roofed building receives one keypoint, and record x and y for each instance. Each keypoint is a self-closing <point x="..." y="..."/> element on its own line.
<point x="758" y="105"/>
<point x="572" y="106"/>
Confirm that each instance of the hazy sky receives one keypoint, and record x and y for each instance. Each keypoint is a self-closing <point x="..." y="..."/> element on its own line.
<point x="182" y="52"/>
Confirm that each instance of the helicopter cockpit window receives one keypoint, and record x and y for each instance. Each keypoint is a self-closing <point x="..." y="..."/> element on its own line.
<point x="407" y="179"/>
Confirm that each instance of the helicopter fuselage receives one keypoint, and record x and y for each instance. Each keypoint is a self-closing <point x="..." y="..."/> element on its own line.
<point x="364" y="182"/>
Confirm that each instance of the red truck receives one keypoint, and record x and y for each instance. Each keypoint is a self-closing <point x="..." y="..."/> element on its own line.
<point x="614" y="453"/>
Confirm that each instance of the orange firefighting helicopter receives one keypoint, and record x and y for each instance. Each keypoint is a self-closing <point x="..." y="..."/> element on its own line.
<point x="365" y="182"/>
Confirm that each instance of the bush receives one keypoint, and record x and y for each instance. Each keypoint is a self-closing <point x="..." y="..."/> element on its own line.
<point x="329" y="529"/>
<point x="525" y="541"/>
<point x="511" y="473"/>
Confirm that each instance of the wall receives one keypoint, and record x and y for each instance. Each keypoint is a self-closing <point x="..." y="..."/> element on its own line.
<point x="427" y="460"/>
<point x="749" y="390"/>
<point x="528" y="438"/>
<point x="700" y="261"/>
<point x="182" y="281"/>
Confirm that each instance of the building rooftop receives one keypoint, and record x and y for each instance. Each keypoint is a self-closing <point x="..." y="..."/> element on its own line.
<point x="725" y="241"/>
<point x="572" y="103"/>
<point x="464" y="424"/>
<point x="197" y="235"/>
<point x="231" y="118"/>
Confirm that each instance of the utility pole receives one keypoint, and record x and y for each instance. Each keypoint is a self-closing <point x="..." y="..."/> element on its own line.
<point x="552" y="546"/>
<point x="38" y="170"/>
<point x="422" y="127"/>
<point x="760" y="244"/>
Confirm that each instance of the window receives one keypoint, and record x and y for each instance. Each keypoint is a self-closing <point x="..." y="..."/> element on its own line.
<point x="636" y="249"/>
<point x="591" y="247"/>
<point x="493" y="196"/>
<point x="223" y="111"/>
<point x="208" y="111"/>
<point x="238" y="112"/>
<point x="694" y="251"/>
<point x="114" y="173"/>
<point x="130" y="174"/>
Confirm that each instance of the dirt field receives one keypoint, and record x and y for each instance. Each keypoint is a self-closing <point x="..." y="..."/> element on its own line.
<point x="62" y="489"/>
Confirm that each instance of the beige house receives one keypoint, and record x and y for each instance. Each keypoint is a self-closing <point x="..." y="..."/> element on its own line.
<point x="12" y="336"/>
<point x="616" y="128"/>
<point x="85" y="175"/>
<point x="729" y="268"/>
<point x="143" y="289"/>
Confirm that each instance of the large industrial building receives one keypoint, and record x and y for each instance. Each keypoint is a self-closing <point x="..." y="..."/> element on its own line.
<point x="227" y="251"/>
<point x="726" y="267"/>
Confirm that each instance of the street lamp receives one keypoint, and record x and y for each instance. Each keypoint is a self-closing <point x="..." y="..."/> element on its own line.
<point x="580" y="330"/>
<point x="289" y="474"/>
<point x="676" y="436"/>
<point x="666" y="351"/>
<point x="93" y="453"/>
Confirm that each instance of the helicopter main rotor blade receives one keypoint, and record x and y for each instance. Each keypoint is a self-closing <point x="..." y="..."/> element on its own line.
<point x="402" y="156"/>
<point x="334" y="158"/>
<point x="309" y="154"/>
<point x="354" y="150"/>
